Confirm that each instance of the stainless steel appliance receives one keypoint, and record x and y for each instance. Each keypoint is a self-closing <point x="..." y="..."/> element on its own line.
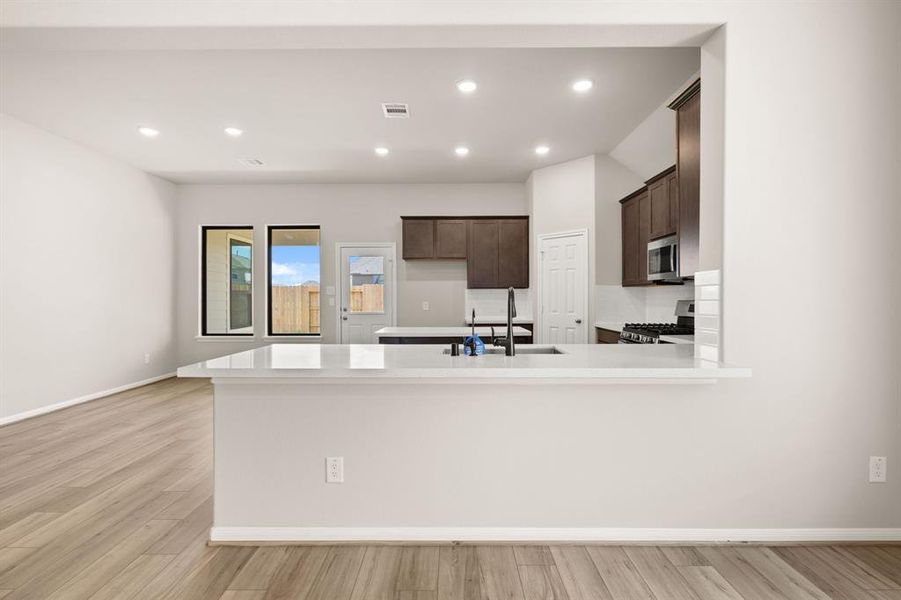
<point x="649" y="333"/>
<point x="663" y="259"/>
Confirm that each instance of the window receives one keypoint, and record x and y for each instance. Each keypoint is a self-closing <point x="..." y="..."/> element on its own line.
<point x="226" y="287"/>
<point x="293" y="280"/>
<point x="367" y="284"/>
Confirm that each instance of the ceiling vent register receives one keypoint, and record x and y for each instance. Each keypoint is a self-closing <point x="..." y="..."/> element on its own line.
<point x="251" y="162"/>
<point x="396" y="110"/>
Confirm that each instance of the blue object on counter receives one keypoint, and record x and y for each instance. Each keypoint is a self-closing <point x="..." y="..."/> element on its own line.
<point x="473" y="342"/>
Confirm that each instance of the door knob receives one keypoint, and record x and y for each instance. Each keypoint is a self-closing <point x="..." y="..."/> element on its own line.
<point x="578" y="321"/>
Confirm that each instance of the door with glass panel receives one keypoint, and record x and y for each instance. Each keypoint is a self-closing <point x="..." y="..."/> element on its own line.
<point x="366" y="292"/>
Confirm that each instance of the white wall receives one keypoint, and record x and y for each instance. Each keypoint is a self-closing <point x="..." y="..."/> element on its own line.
<point x="613" y="182"/>
<point x="87" y="253"/>
<point x="562" y="198"/>
<point x="651" y="147"/>
<point x="346" y="213"/>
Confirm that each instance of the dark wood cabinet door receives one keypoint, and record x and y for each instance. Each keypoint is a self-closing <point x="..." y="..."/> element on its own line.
<point x="630" y="241"/>
<point x="672" y="185"/>
<point x="482" y="255"/>
<point x="659" y="209"/>
<point x="636" y="223"/>
<point x="644" y="235"/>
<point x="418" y="238"/>
<point x="513" y="253"/>
<point x="688" y="126"/>
<point x="450" y="238"/>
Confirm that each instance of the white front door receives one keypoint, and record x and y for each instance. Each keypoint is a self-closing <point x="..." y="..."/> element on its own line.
<point x="366" y="291"/>
<point x="563" y="283"/>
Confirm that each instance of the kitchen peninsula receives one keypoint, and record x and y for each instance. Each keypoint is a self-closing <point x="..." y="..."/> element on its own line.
<point x="463" y="439"/>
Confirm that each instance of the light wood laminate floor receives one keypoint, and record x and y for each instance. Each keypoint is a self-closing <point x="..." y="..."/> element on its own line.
<point x="112" y="500"/>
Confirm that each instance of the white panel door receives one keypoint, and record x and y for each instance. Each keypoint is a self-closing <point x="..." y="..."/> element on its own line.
<point x="564" y="287"/>
<point x="366" y="284"/>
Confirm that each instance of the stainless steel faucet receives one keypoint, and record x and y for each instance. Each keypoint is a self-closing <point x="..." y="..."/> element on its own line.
<point x="511" y="312"/>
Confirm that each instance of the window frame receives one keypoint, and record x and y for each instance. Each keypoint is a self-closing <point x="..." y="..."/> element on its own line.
<point x="203" y="283"/>
<point x="269" y="230"/>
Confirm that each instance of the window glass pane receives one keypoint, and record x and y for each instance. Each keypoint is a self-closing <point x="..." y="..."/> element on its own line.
<point x="367" y="284"/>
<point x="227" y="281"/>
<point x="293" y="280"/>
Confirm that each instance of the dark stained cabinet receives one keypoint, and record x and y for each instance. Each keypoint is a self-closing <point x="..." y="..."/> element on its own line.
<point x="513" y="253"/>
<point x="418" y="238"/>
<point x="496" y="249"/>
<point x="636" y="223"/>
<point x="450" y="238"/>
<point x="498" y="255"/>
<point x="663" y="204"/>
<point x="482" y="259"/>
<point x="688" y="166"/>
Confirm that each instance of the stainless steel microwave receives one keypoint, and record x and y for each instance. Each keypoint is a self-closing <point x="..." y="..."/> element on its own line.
<point x="663" y="259"/>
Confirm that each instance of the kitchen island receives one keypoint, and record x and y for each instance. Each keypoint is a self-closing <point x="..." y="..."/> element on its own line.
<point x="434" y="447"/>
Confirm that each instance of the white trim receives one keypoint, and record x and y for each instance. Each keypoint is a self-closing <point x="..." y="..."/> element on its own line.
<point x="546" y="534"/>
<point x="81" y="399"/>
<point x="316" y="339"/>
<point x="338" y="284"/>
<point x="538" y="329"/>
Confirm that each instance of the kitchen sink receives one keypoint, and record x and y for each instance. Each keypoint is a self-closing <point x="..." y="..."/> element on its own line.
<point x="524" y="349"/>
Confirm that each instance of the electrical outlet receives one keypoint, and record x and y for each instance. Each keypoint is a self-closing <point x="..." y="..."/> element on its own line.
<point x="425" y="305"/>
<point x="334" y="469"/>
<point x="878" y="469"/>
<point x="146" y="358"/>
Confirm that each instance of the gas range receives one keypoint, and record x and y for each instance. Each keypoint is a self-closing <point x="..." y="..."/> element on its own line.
<point x="649" y="333"/>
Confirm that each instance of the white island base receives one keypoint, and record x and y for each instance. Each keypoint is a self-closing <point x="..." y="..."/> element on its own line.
<point x="464" y="456"/>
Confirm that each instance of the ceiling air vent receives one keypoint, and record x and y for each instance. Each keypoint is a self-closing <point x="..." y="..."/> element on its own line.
<point x="396" y="110"/>
<point x="251" y="162"/>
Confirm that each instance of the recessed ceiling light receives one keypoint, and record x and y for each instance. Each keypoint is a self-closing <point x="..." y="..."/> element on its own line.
<point x="382" y="151"/>
<point x="582" y="85"/>
<point x="461" y="150"/>
<point x="541" y="150"/>
<point x="148" y="131"/>
<point x="233" y="131"/>
<point x="467" y="86"/>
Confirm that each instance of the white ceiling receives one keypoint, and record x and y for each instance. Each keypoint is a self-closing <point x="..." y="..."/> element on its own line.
<point x="314" y="115"/>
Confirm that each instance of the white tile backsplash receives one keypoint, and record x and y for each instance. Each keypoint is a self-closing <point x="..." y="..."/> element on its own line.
<point x="493" y="303"/>
<point x="707" y="315"/>
<point x="653" y="304"/>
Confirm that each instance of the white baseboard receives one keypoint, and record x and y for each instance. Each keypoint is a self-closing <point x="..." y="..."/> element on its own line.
<point x="81" y="399"/>
<point x="545" y="534"/>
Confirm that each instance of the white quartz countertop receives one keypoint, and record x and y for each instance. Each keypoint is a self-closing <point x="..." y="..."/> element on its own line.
<point x="610" y="325"/>
<point x="366" y="362"/>
<point x="460" y="332"/>
<point x="678" y="339"/>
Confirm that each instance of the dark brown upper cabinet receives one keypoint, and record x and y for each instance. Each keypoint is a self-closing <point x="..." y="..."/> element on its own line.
<point x="498" y="255"/>
<point x="433" y="238"/>
<point x="450" y="238"/>
<point x="418" y="238"/>
<point x="496" y="249"/>
<point x="688" y="168"/>
<point x="636" y="223"/>
<point x="663" y="204"/>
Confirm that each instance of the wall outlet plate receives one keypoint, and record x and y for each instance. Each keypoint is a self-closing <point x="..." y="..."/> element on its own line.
<point x="425" y="305"/>
<point x="334" y="469"/>
<point x="146" y="358"/>
<point x="878" y="469"/>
